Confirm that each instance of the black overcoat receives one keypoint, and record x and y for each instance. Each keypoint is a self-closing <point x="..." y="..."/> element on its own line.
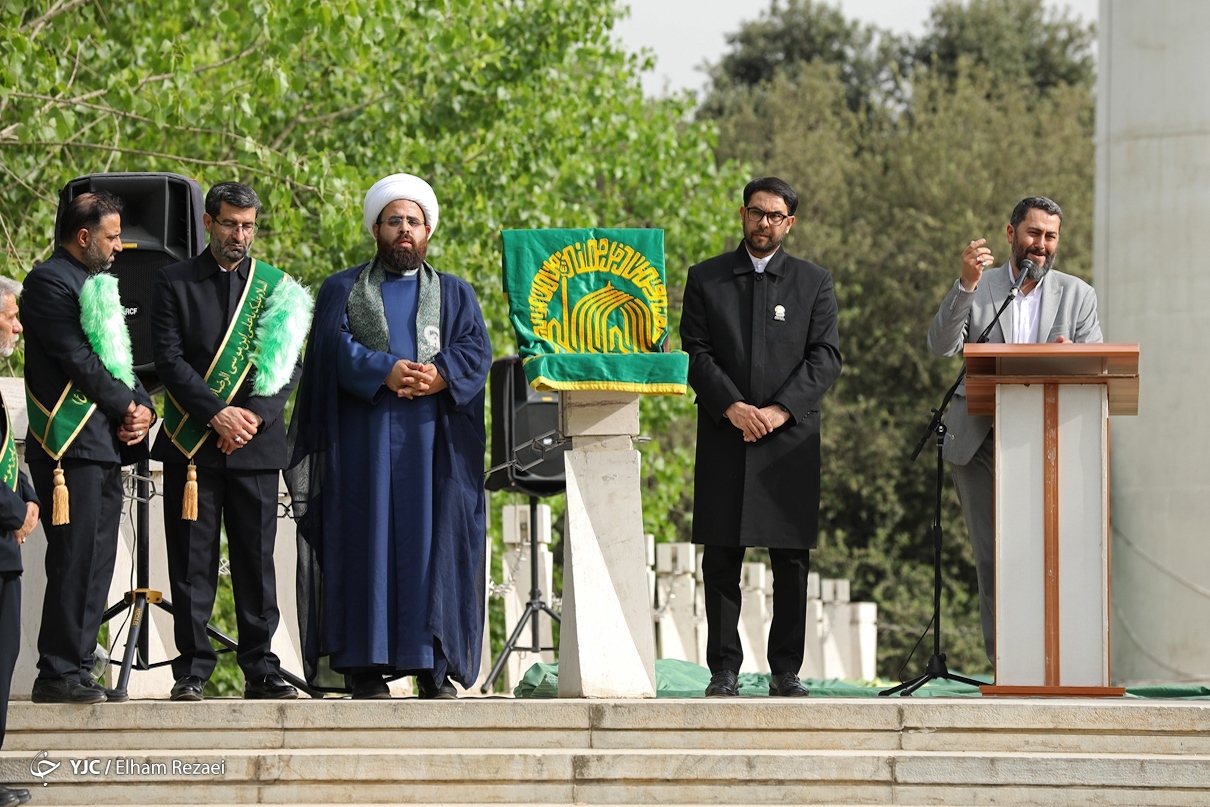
<point x="762" y="339"/>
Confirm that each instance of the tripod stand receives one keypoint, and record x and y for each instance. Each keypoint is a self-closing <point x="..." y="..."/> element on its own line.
<point x="936" y="664"/>
<point x="141" y="596"/>
<point x="535" y="606"/>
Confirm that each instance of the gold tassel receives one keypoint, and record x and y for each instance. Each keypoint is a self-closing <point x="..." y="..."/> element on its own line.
<point x="60" y="511"/>
<point x="189" y="503"/>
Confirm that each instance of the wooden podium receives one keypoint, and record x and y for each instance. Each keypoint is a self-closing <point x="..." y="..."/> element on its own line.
<point x="1052" y="404"/>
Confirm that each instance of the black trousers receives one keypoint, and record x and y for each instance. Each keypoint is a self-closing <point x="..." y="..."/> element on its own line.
<point x="10" y="637"/>
<point x="721" y="567"/>
<point x="246" y="503"/>
<point x="79" y="563"/>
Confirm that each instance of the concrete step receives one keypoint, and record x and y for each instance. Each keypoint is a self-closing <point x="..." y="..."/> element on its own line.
<point x="499" y="750"/>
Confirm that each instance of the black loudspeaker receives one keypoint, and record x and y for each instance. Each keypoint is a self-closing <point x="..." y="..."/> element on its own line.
<point x="519" y="414"/>
<point x="161" y="225"/>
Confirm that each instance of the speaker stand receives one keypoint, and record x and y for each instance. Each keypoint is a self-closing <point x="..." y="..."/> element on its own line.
<point x="535" y="606"/>
<point x="141" y="596"/>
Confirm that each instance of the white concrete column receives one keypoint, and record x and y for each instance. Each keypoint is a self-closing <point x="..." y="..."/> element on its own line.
<point x="676" y="601"/>
<point x="812" y="658"/>
<point x="1153" y="287"/>
<point x="837" y="629"/>
<point x="607" y="641"/>
<point x="864" y="665"/>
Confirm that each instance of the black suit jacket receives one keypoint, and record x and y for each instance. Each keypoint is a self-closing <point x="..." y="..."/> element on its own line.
<point x="57" y="351"/>
<point x="189" y="325"/>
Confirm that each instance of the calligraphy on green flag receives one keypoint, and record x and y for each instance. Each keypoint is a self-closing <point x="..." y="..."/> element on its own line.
<point x="590" y="309"/>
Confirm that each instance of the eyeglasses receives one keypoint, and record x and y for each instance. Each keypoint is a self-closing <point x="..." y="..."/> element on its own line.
<point x="232" y="226"/>
<point x="755" y="214"/>
<point x="395" y="221"/>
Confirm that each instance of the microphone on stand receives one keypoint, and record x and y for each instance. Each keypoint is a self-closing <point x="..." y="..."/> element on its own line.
<point x="1023" y="272"/>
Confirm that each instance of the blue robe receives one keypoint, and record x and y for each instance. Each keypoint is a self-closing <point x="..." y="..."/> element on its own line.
<point x="388" y="492"/>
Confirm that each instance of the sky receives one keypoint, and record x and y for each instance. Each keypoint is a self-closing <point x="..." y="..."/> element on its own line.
<point x="685" y="33"/>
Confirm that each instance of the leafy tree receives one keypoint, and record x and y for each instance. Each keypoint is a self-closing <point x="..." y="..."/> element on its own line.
<point x="1021" y="41"/>
<point x="789" y="36"/>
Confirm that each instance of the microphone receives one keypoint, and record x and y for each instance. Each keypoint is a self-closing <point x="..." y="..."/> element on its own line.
<point x="1023" y="271"/>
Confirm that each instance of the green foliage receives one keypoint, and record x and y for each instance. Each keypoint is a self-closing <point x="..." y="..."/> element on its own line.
<point x="891" y="193"/>
<point x="521" y="114"/>
<point x="1018" y="40"/>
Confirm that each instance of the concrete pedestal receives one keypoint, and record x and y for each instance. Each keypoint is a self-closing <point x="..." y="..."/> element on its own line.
<point x="607" y="642"/>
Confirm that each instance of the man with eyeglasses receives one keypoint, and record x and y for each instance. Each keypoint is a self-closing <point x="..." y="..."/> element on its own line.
<point x="386" y="465"/>
<point x="760" y="330"/>
<point x="228" y="333"/>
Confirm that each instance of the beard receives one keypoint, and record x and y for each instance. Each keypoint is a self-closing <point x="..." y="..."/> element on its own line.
<point x="762" y="241"/>
<point x="401" y="257"/>
<point x="95" y="259"/>
<point x="9" y="346"/>
<point x="1042" y="264"/>
<point x="232" y="251"/>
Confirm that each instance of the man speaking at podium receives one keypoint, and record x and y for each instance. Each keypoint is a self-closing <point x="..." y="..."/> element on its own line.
<point x="1051" y="307"/>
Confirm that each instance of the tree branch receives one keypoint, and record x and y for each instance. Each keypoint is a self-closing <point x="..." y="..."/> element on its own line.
<point x="162" y="156"/>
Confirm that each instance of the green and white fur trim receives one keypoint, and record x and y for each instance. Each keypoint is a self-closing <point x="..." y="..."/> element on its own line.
<point x="280" y="333"/>
<point x="103" y="319"/>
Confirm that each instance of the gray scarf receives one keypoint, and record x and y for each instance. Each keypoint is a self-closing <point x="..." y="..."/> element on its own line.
<point x="368" y="317"/>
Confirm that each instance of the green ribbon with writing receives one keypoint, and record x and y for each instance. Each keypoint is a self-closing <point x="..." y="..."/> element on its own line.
<point x="230" y="367"/>
<point x="56" y="428"/>
<point x="8" y="454"/>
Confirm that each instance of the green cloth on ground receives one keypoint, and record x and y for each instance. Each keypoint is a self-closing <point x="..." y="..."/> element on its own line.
<point x="683" y="679"/>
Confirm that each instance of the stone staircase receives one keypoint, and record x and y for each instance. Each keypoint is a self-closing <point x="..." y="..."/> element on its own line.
<point x="839" y="751"/>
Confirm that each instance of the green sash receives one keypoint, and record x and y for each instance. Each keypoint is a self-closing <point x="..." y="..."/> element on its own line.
<point x="230" y="367"/>
<point x="56" y="428"/>
<point x="8" y="454"/>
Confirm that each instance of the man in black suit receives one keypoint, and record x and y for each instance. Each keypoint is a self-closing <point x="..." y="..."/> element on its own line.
<point x="88" y="414"/>
<point x="223" y="442"/>
<point x="18" y="517"/>
<point x="760" y="330"/>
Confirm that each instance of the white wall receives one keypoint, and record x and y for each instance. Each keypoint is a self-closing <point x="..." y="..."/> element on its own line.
<point x="1152" y="279"/>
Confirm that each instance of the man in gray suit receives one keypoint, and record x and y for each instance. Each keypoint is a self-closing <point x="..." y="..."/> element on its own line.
<point x="1051" y="307"/>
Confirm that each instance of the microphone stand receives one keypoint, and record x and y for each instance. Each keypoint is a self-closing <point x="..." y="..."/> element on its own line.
<point x="936" y="667"/>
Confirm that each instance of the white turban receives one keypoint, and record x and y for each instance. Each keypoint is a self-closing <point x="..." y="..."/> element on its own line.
<point x="401" y="186"/>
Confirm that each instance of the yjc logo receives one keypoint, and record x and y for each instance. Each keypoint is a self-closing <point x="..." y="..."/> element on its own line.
<point x="43" y="766"/>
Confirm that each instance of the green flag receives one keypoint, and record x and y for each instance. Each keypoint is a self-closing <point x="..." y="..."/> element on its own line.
<point x="590" y="309"/>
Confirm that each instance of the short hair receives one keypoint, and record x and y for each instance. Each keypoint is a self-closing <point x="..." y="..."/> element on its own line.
<point x="86" y="211"/>
<point x="1029" y="203"/>
<point x="10" y="287"/>
<point x="775" y="186"/>
<point x="233" y="193"/>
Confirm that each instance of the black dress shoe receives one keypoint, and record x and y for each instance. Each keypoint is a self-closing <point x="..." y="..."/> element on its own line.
<point x="786" y="685"/>
<point x="65" y="690"/>
<point x="369" y="685"/>
<point x="13" y="795"/>
<point x="188" y="688"/>
<point x="431" y="690"/>
<point x="269" y="688"/>
<point x="723" y="684"/>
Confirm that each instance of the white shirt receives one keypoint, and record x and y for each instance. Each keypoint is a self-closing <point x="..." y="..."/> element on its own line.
<point x="759" y="264"/>
<point x="1026" y="310"/>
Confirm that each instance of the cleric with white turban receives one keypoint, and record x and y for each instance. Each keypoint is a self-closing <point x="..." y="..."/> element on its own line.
<point x="401" y="186"/>
<point x="386" y="466"/>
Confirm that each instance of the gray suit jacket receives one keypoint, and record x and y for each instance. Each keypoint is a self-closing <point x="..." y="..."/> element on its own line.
<point x="1068" y="308"/>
